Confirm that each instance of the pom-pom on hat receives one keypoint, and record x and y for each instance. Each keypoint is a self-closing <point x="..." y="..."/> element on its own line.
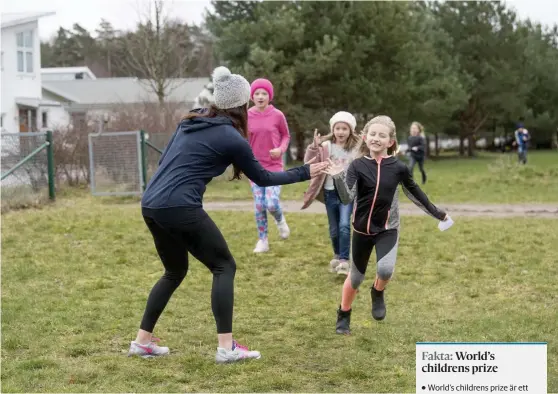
<point x="262" y="83"/>
<point x="230" y="90"/>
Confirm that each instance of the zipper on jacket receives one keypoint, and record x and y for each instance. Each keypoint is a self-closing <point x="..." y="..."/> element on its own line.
<point x="378" y="161"/>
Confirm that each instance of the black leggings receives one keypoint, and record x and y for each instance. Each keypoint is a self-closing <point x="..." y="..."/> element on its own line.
<point x="420" y="161"/>
<point x="386" y="244"/>
<point x="203" y="240"/>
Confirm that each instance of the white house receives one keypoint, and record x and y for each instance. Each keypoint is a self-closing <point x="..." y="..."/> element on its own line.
<point x="21" y="73"/>
<point x="83" y="98"/>
<point x="66" y="73"/>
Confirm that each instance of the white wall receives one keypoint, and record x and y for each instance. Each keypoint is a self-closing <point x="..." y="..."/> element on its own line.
<point x="14" y="83"/>
<point x="57" y="116"/>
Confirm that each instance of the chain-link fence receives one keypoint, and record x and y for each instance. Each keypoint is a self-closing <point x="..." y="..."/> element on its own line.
<point x="27" y="169"/>
<point x="116" y="163"/>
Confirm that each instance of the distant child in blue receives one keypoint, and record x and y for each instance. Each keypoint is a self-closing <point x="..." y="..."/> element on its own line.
<point x="521" y="139"/>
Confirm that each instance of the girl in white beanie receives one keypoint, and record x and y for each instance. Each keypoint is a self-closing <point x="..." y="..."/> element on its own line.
<point x="341" y="145"/>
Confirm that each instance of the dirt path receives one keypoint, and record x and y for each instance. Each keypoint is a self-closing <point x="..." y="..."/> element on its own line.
<point x="455" y="210"/>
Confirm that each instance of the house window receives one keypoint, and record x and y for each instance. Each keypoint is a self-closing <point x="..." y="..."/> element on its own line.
<point x="25" y="51"/>
<point x="44" y="119"/>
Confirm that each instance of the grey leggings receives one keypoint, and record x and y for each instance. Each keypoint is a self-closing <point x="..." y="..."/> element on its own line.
<point x="386" y="244"/>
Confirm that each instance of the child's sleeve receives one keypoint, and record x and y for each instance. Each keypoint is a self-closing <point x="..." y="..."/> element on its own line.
<point x="311" y="152"/>
<point x="284" y="133"/>
<point x="346" y="184"/>
<point x="417" y="196"/>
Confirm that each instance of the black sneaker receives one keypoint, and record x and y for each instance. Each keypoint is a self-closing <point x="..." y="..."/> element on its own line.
<point x="343" y="322"/>
<point x="378" y="304"/>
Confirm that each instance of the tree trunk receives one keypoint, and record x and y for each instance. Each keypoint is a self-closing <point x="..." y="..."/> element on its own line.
<point x="436" y="146"/>
<point x="471" y="145"/>
<point x="461" y="145"/>
<point x="161" y="95"/>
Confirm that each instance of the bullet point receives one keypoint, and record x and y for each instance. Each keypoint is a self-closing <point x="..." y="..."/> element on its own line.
<point x="423" y="387"/>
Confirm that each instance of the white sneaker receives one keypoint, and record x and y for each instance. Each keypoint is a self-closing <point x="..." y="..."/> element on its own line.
<point x="343" y="267"/>
<point x="333" y="264"/>
<point x="284" y="230"/>
<point x="147" y="351"/>
<point x="262" y="246"/>
<point x="238" y="353"/>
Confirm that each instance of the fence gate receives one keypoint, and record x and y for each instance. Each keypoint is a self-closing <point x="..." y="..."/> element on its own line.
<point x="116" y="163"/>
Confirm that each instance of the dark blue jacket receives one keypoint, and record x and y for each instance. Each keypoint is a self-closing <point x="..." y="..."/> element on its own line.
<point x="199" y="150"/>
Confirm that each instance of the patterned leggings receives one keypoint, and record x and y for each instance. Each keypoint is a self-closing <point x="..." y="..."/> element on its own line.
<point x="266" y="199"/>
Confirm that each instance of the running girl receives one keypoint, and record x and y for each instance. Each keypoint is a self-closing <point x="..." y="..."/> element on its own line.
<point x="417" y="149"/>
<point x="374" y="179"/>
<point x="269" y="138"/>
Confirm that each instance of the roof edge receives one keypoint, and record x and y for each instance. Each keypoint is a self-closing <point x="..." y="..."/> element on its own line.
<point x="27" y="19"/>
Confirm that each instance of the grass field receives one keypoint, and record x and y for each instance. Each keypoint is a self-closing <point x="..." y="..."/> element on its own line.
<point x="75" y="277"/>
<point x="490" y="178"/>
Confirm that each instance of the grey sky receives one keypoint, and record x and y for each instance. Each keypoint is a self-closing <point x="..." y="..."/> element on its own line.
<point x="123" y="14"/>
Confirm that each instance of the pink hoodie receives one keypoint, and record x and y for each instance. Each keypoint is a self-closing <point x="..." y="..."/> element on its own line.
<point x="268" y="130"/>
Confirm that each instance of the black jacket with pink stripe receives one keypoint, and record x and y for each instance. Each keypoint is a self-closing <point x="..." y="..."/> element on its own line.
<point x="373" y="187"/>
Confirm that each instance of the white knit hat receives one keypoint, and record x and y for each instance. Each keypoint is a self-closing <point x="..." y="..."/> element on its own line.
<point x="230" y="90"/>
<point x="344" y="117"/>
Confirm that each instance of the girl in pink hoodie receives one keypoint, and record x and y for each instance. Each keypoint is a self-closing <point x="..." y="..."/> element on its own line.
<point x="268" y="134"/>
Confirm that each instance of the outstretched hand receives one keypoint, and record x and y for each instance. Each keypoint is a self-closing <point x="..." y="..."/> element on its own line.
<point x="333" y="169"/>
<point x="317" y="138"/>
<point x="317" y="168"/>
<point x="445" y="224"/>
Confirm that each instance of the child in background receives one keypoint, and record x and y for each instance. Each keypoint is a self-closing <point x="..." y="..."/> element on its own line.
<point x="417" y="148"/>
<point x="372" y="181"/>
<point x="269" y="138"/>
<point x="341" y="147"/>
<point x="521" y="139"/>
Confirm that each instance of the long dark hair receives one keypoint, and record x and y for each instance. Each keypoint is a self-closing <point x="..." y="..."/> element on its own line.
<point x="239" y="118"/>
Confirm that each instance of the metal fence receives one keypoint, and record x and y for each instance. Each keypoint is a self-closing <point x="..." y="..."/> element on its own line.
<point x="115" y="162"/>
<point x="27" y="167"/>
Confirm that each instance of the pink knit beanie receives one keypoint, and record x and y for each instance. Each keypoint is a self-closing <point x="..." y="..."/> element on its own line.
<point x="262" y="83"/>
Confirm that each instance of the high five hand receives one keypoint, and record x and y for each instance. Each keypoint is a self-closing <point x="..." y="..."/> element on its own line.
<point x="317" y="168"/>
<point x="317" y="138"/>
<point x="333" y="168"/>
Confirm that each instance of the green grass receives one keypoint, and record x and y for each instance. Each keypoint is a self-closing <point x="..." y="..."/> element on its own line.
<point x="75" y="277"/>
<point x="490" y="178"/>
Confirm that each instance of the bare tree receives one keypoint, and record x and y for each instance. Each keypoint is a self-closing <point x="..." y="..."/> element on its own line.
<point x="158" y="51"/>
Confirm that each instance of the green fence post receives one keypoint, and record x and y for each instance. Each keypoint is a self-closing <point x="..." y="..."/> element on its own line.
<point x="50" y="163"/>
<point x="143" y="159"/>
